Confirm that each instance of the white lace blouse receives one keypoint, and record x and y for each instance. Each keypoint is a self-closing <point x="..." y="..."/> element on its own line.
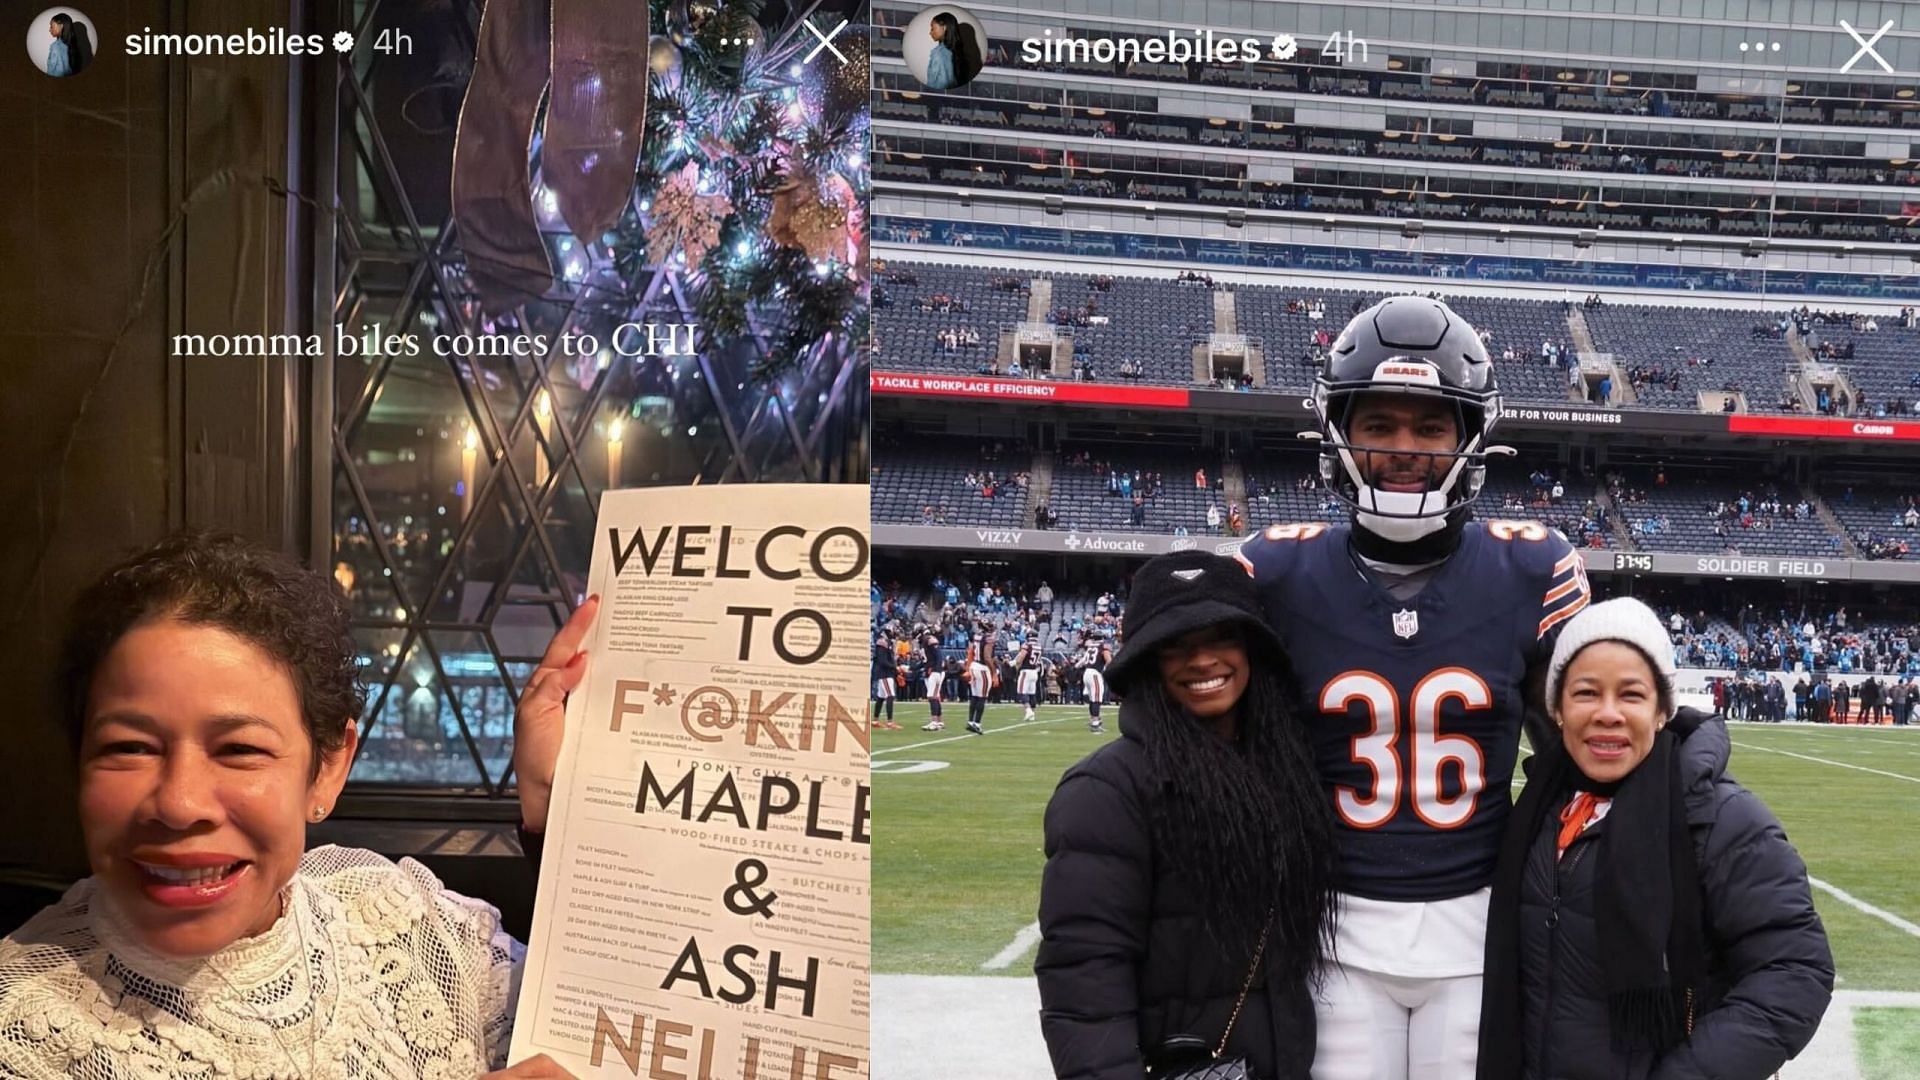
<point x="374" y="971"/>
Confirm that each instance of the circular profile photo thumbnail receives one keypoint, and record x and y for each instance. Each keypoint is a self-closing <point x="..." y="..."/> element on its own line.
<point x="946" y="47"/>
<point x="61" y="42"/>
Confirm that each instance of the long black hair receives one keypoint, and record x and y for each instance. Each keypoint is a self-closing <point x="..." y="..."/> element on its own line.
<point x="1245" y="822"/>
<point x="966" y="54"/>
<point x="79" y="42"/>
<point x="961" y="41"/>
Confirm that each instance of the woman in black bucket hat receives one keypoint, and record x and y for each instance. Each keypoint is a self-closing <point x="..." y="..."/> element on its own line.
<point x="1189" y="885"/>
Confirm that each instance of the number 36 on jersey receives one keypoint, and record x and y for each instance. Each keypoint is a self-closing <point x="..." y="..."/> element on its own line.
<point x="1406" y="751"/>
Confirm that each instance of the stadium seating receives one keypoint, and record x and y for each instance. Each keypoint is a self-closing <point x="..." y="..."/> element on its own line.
<point x="1152" y="321"/>
<point x="1885" y="366"/>
<point x="1081" y="499"/>
<point x="1680" y="517"/>
<point x="1276" y="496"/>
<point x="1876" y="520"/>
<point x="909" y="337"/>
<point x="1285" y="337"/>
<point x="1156" y="322"/>
<point x="1524" y="325"/>
<point x="906" y="481"/>
<point x="1671" y="339"/>
<point x="1510" y="492"/>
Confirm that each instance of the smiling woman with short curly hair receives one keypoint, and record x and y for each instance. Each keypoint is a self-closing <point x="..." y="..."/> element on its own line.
<point x="212" y="695"/>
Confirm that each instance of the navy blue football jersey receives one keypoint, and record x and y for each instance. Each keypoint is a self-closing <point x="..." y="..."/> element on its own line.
<point x="1415" y="708"/>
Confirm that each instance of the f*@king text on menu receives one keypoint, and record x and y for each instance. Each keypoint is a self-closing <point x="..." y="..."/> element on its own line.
<point x="703" y="903"/>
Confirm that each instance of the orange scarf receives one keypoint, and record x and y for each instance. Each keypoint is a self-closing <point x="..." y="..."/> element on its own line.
<point x="1574" y="819"/>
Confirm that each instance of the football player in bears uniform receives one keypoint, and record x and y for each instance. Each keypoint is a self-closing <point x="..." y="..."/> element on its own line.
<point x="936" y="678"/>
<point x="979" y="680"/>
<point x="1032" y="667"/>
<point x="1093" y="680"/>
<point x="1420" y="639"/>
<point x="886" y="668"/>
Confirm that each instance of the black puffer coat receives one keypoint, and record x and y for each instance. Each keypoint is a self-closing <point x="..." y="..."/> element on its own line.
<point x="1770" y="972"/>
<point x="1124" y="961"/>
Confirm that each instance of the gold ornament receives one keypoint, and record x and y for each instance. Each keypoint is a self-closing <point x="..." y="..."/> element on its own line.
<point x="684" y="219"/>
<point x="818" y="215"/>
<point x="663" y="58"/>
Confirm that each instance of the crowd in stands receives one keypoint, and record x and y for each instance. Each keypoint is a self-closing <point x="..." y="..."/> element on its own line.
<point x="1791" y="640"/>
<point x="1702" y="511"/>
<point x="1583" y="521"/>
<point x="1641" y="376"/>
<point x="1750" y="511"/>
<point x="978" y="483"/>
<point x="1241" y="382"/>
<point x="1898" y="534"/>
<point x="1737" y="517"/>
<point x="959" y="337"/>
<point x="1632" y="503"/>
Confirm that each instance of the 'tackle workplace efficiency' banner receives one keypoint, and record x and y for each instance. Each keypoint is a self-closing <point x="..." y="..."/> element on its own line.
<point x="1059" y="391"/>
<point x="703" y="905"/>
<point x="1289" y="407"/>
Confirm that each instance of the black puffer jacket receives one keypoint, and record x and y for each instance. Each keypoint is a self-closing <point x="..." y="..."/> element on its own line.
<point x="1124" y="961"/>
<point x="1770" y="972"/>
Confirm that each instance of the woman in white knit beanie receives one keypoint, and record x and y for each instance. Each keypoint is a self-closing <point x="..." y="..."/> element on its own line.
<point x="1649" y="917"/>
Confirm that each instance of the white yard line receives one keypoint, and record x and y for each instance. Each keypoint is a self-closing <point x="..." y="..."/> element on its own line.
<point x="1027" y="938"/>
<point x="1874" y="745"/>
<point x="1824" y="761"/>
<point x="964" y="734"/>
<point x="1858" y="904"/>
<point x="1892" y="732"/>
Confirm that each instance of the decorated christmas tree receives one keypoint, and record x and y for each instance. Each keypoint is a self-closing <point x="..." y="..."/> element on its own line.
<point x="682" y="148"/>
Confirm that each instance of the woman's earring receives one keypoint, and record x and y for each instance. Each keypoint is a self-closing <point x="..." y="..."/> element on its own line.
<point x="319" y="812"/>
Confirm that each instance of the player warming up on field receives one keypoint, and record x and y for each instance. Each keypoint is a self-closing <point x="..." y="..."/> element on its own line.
<point x="979" y="681"/>
<point x="1032" y="667"/>
<point x="1420" y="638"/>
<point x="936" y="679"/>
<point x="886" y="669"/>
<point x="1093" y="682"/>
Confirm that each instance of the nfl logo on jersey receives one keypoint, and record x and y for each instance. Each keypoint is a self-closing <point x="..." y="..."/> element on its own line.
<point x="1406" y="623"/>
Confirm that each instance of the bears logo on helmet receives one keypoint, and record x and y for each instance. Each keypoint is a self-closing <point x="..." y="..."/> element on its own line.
<point x="1407" y="345"/>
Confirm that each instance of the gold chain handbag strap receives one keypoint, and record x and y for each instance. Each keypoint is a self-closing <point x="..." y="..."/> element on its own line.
<point x="1245" y="989"/>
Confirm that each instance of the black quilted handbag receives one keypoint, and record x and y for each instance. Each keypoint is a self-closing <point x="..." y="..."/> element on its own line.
<point x="1186" y="1057"/>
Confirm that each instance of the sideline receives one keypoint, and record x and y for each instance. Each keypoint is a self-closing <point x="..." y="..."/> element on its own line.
<point x="1027" y="938"/>
<point x="1824" y="761"/>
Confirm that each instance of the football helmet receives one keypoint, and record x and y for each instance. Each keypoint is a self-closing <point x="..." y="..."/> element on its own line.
<point x="1407" y="345"/>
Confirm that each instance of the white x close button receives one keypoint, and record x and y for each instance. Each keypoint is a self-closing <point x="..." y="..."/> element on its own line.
<point x="826" y="41"/>
<point x="1867" y="47"/>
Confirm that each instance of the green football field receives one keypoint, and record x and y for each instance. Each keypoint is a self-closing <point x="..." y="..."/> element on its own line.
<point x="957" y="845"/>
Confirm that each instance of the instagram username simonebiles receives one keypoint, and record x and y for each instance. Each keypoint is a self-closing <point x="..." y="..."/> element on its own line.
<point x="1200" y="45"/>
